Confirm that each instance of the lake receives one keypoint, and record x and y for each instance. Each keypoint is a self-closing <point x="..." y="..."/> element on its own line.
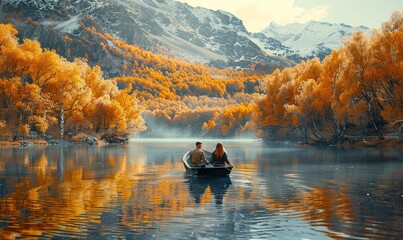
<point x="141" y="191"/>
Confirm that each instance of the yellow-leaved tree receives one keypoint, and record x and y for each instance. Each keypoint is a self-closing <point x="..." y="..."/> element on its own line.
<point x="43" y="92"/>
<point x="358" y="85"/>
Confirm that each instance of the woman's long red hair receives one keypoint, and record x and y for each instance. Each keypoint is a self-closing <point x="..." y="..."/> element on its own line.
<point x="219" y="150"/>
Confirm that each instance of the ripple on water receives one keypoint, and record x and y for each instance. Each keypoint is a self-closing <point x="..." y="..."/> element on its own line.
<point x="142" y="192"/>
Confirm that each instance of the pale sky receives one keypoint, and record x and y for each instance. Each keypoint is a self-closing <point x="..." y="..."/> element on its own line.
<point x="257" y="14"/>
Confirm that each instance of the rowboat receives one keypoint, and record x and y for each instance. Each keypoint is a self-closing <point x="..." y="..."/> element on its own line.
<point x="206" y="169"/>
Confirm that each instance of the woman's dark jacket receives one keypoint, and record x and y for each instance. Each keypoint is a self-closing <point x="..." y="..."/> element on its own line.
<point x="216" y="160"/>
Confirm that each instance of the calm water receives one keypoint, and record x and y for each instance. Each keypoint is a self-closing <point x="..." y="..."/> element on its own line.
<point x="140" y="191"/>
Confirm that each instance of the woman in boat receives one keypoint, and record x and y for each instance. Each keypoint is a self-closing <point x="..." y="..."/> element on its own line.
<point x="219" y="156"/>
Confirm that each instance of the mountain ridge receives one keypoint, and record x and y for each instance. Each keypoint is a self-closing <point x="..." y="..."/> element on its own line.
<point x="216" y="38"/>
<point x="310" y="39"/>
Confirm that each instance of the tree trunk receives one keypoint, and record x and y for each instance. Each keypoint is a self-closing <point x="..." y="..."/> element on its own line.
<point x="371" y="113"/>
<point x="61" y="121"/>
<point x="316" y="131"/>
<point x="378" y="133"/>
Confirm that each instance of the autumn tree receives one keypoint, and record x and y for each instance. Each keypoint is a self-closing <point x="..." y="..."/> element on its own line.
<point x="388" y="66"/>
<point x="40" y="91"/>
<point x="357" y="85"/>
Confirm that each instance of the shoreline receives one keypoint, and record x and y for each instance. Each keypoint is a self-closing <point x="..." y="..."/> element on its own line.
<point x="80" y="139"/>
<point x="369" y="142"/>
<point x="23" y="143"/>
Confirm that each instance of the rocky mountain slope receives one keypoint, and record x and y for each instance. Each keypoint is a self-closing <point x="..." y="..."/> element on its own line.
<point x="217" y="38"/>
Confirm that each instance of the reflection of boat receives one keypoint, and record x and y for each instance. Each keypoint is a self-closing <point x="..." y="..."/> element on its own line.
<point x="207" y="169"/>
<point x="218" y="186"/>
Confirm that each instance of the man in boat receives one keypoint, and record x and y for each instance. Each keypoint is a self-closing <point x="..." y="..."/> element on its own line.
<point x="197" y="157"/>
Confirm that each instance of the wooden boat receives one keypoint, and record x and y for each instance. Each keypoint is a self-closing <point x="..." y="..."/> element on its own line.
<point x="207" y="169"/>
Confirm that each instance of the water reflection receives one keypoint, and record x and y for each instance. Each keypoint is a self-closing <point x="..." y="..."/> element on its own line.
<point x="218" y="186"/>
<point x="140" y="191"/>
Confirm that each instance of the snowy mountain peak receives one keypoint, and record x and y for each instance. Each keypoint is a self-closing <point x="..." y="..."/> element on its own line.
<point x="214" y="37"/>
<point x="306" y="40"/>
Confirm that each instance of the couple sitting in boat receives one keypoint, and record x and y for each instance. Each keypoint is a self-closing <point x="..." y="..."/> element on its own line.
<point x="218" y="157"/>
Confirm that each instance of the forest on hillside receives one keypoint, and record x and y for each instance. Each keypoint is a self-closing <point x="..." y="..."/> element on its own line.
<point x="43" y="94"/>
<point x="356" y="90"/>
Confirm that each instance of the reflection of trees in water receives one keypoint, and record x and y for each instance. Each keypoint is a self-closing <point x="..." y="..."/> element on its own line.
<point x="218" y="187"/>
<point x="55" y="185"/>
<point x="43" y="191"/>
<point x="334" y="187"/>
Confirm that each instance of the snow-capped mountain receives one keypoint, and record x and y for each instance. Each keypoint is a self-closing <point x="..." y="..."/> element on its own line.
<point x="303" y="41"/>
<point x="198" y="34"/>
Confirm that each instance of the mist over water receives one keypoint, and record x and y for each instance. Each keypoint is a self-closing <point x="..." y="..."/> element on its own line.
<point x="141" y="191"/>
<point x="171" y="130"/>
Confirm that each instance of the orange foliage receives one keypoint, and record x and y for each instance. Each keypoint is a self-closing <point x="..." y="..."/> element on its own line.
<point x="166" y="77"/>
<point x="30" y="21"/>
<point x="43" y="92"/>
<point x="359" y="84"/>
<point x="161" y="83"/>
<point x="76" y="97"/>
